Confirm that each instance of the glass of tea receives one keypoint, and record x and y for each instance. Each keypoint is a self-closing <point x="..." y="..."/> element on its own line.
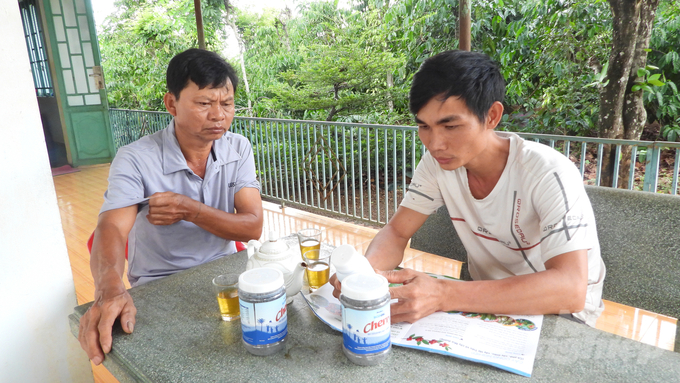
<point x="310" y="239"/>
<point x="318" y="268"/>
<point x="226" y="289"/>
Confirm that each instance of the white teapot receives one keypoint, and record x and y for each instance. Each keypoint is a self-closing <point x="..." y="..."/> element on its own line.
<point x="275" y="253"/>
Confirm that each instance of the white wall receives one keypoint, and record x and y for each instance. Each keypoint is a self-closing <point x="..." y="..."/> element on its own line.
<point x="36" y="285"/>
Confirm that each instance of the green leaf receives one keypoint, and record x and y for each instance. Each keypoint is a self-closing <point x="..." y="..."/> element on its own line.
<point x="603" y="72"/>
<point x="641" y="72"/>
<point x="655" y="82"/>
<point x="654" y="77"/>
<point x="651" y="67"/>
<point x="635" y="88"/>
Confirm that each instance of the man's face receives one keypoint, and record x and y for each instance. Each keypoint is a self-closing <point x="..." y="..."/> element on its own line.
<point x="451" y="132"/>
<point x="202" y="115"/>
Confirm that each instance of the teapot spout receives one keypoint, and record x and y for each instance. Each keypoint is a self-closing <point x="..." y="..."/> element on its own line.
<point x="294" y="284"/>
<point x="252" y="247"/>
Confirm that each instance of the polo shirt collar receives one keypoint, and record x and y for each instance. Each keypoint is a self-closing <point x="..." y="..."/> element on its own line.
<point x="173" y="158"/>
<point x="224" y="151"/>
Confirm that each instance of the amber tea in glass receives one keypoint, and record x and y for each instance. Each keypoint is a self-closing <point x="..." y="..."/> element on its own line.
<point x="226" y="288"/>
<point x="318" y="268"/>
<point x="309" y="239"/>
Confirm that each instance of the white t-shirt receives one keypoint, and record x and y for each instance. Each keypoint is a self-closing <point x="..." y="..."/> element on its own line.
<point x="537" y="210"/>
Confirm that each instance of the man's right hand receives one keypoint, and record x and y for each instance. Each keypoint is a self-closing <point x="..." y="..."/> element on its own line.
<point x="111" y="298"/>
<point x="97" y="323"/>
<point x="335" y="282"/>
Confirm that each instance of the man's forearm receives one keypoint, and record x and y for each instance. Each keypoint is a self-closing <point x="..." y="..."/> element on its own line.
<point x="107" y="260"/>
<point x="386" y="250"/>
<point x="233" y="226"/>
<point x="168" y="208"/>
<point x="552" y="291"/>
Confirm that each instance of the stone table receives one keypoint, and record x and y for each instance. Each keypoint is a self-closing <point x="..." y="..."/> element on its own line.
<point x="180" y="337"/>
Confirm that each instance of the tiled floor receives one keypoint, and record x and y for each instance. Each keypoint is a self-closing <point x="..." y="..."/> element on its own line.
<point x="80" y="195"/>
<point x="641" y="325"/>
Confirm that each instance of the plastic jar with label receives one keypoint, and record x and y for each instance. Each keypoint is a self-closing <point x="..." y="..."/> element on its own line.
<point x="366" y="322"/>
<point x="264" y="320"/>
<point x="348" y="261"/>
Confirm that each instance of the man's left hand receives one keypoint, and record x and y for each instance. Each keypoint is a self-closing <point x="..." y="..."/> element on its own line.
<point x="167" y="208"/>
<point x="419" y="296"/>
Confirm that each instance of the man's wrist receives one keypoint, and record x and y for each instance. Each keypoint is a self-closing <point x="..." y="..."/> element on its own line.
<point x="193" y="210"/>
<point x="109" y="284"/>
<point x="446" y="291"/>
<point x="200" y="206"/>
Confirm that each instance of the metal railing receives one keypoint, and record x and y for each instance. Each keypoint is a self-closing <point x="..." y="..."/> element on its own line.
<point x="642" y="173"/>
<point x="128" y="126"/>
<point x="362" y="170"/>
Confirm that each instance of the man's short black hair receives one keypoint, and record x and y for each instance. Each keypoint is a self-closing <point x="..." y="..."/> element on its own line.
<point x="204" y="68"/>
<point x="472" y="76"/>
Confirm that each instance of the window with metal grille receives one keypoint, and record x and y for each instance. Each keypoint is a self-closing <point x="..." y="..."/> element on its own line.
<point x="35" y="43"/>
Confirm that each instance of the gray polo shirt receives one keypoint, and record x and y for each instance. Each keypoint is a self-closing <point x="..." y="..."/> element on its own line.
<point x="155" y="164"/>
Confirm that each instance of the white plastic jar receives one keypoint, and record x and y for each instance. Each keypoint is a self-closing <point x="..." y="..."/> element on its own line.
<point x="264" y="320"/>
<point x="366" y="322"/>
<point x="348" y="261"/>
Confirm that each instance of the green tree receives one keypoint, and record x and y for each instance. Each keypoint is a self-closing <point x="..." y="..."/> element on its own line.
<point x="356" y="64"/>
<point x="420" y="29"/>
<point x="345" y="64"/>
<point x="550" y="53"/>
<point x="663" y="102"/>
<point x="140" y="39"/>
<point x="622" y="111"/>
<point x="269" y="50"/>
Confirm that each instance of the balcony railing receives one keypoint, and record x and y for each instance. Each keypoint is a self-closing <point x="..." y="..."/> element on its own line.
<point x="362" y="170"/>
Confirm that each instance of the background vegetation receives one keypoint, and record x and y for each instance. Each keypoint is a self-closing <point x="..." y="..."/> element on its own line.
<point x="324" y="62"/>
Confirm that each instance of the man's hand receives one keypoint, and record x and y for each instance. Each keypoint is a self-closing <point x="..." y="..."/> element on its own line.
<point x="167" y="208"/>
<point x="97" y="323"/>
<point x="419" y="296"/>
<point x="111" y="299"/>
<point x="335" y="282"/>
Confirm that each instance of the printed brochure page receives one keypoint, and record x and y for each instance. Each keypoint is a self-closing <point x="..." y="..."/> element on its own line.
<point x="508" y="342"/>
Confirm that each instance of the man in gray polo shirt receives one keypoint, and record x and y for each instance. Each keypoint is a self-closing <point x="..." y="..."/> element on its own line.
<point x="179" y="197"/>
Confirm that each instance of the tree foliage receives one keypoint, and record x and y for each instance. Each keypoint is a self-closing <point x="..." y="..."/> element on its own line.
<point x="344" y="68"/>
<point x="622" y="112"/>
<point x="663" y="102"/>
<point x="549" y="52"/>
<point x="139" y="40"/>
<point x="320" y="61"/>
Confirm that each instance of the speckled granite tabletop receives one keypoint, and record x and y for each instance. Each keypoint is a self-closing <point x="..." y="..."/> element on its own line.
<point x="179" y="337"/>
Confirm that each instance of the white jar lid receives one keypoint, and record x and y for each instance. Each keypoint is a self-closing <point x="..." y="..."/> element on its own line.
<point x="343" y="257"/>
<point x="260" y="280"/>
<point x="364" y="287"/>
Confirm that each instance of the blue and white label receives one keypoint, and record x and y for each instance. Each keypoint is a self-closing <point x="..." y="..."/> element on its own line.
<point x="264" y="323"/>
<point x="366" y="332"/>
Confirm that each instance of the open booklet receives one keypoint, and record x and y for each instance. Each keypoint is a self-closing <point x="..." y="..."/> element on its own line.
<point x="508" y="342"/>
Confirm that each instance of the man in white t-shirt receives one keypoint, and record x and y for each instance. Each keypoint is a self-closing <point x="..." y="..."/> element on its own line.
<point x="519" y="207"/>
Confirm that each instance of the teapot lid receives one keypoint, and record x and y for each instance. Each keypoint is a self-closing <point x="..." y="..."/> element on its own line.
<point x="274" y="246"/>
